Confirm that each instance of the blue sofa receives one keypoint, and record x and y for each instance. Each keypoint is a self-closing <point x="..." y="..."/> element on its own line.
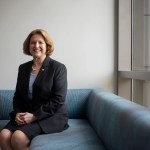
<point x="98" y="120"/>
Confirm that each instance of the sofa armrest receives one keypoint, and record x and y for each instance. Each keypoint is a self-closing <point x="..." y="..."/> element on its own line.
<point x="120" y="123"/>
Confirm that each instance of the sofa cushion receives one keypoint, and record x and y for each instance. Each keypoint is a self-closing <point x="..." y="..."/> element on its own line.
<point x="6" y="97"/>
<point x="76" y="100"/>
<point x="79" y="136"/>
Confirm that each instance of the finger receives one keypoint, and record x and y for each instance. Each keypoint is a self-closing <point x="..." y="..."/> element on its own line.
<point x="22" y="114"/>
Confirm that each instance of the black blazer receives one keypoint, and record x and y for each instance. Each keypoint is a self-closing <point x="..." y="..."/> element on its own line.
<point x="49" y="93"/>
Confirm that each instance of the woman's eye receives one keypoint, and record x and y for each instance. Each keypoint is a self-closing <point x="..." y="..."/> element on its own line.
<point x="41" y="42"/>
<point x="32" y="42"/>
<point x="37" y="42"/>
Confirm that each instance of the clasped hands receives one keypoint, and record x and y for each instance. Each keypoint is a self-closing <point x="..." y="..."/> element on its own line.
<point x="24" y="118"/>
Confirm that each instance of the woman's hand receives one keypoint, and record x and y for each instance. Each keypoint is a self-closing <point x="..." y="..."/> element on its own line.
<point x="28" y="118"/>
<point x="24" y="118"/>
<point x="19" y="118"/>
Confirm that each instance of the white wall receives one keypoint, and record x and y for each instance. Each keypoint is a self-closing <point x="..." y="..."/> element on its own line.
<point x="83" y="32"/>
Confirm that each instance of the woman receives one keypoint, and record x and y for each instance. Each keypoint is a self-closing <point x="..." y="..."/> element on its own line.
<point x="39" y="99"/>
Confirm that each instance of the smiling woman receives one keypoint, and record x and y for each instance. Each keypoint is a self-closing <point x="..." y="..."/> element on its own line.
<point x="39" y="45"/>
<point x="39" y="99"/>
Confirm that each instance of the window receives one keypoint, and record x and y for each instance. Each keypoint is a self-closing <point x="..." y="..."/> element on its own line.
<point x="134" y="51"/>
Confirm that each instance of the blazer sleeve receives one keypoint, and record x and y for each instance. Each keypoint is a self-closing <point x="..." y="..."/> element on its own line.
<point x="17" y="104"/>
<point x="58" y="94"/>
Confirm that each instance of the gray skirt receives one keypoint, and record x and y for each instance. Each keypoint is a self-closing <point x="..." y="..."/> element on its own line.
<point x="31" y="130"/>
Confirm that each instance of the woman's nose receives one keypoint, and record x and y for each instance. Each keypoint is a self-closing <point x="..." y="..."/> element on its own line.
<point x="36" y="44"/>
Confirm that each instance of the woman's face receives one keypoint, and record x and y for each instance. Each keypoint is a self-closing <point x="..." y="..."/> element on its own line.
<point x="37" y="46"/>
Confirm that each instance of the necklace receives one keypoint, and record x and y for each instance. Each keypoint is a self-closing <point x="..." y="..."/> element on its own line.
<point x="35" y="69"/>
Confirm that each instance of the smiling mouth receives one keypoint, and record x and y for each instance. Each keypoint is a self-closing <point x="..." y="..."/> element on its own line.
<point x="36" y="50"/>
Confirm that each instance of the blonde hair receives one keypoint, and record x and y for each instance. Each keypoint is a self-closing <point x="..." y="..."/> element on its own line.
<point x="46" y="37"/>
